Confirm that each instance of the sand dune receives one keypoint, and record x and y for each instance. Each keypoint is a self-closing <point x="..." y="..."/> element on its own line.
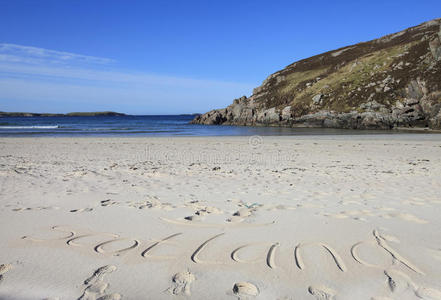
<point x="335" y="217"/>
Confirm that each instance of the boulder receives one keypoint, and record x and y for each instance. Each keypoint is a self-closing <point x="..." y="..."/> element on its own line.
<point x="372" y="120"/>
<point x="435" y="48"/>
<point x="286" y="113"/>
<point x="435" y="122"/>
<point x="214" y="117"/>
<point x="268" y="116"/>
<point x="317" y="99"/>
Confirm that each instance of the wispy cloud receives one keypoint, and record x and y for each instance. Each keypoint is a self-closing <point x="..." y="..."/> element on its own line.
<point x="28" y="54"/>
<point x="110" y="76"/>
<point x="40" y="79"/>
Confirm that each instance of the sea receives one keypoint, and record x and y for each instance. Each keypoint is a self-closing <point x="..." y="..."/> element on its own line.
<point x="151" y="125"/>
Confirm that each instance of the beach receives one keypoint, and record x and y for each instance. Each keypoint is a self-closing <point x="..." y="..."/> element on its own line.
<point x="287" y="217"/>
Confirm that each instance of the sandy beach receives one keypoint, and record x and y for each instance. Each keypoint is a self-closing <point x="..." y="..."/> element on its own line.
<point x="310" y="217"/>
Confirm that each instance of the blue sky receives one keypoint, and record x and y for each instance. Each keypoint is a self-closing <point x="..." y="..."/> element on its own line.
<point x="169" y="57"/>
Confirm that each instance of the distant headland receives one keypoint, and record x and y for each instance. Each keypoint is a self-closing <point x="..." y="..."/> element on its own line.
<point x="387" y="83"/>
<point x="71" y="114"/>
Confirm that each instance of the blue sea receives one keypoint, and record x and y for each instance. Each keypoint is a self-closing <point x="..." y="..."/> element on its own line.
<point x="170" y="125"/>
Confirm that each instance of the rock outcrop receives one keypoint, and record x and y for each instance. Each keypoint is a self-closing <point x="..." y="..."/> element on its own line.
<point x="391" y="82"/>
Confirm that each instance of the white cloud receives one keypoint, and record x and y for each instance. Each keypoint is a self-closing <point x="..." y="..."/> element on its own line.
<point x="43" y="72"/>
<point x="35" y="77"/>
<point x="30" y="54"/>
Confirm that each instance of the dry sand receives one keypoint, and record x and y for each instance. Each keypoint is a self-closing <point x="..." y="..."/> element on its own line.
<point x="341" y="217"/>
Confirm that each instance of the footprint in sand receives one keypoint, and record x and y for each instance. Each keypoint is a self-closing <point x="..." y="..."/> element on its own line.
<point x="322" y="292"/>
<point x="4" y="269"/>
<point x="152" y="203"/>
<point x="181" y="283"/>
<point x="98" y="275"/>
<point x="96" y="292"/>
<point x="194" y="218"/>
<point x="96" y="287"/>
<point x="399" y="283"/>
<point x="240" y="215"/>
<point x="245" y="290"/>
<point x="36" y="208"/>
<point x="203" y="211"/>
<point x="110" y="297"/>
<point x="246" y="210"/>
<point x="88" y="209"/>
<point x="243" y="212"/>
<point x="107" y="202"/>
<point x="206" y="210"/>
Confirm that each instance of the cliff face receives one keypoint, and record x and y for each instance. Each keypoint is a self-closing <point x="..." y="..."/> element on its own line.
<point x="394" y="81"/>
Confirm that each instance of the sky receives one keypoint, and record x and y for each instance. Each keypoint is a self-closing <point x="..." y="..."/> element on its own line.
<point x="172" y="57"/>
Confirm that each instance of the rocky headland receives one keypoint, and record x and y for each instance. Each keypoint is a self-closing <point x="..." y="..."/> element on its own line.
<point x="390" y="82"/>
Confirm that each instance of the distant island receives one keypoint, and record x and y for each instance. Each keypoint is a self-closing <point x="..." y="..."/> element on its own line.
<point x="71" y="114"/>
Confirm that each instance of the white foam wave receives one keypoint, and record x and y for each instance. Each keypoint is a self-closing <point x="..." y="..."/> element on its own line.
<point x="29" y="127"/>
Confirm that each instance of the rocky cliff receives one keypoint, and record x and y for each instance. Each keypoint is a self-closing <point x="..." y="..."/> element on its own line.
<point x="394" y="81"/>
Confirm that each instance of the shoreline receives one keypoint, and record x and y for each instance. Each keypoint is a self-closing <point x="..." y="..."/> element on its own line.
<point x="326" y="132"/>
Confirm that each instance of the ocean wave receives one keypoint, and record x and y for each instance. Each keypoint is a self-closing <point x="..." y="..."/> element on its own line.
<point x="30" y="127"/>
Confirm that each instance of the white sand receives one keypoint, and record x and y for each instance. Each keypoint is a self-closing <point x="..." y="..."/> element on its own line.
<point x="348" y="217"/>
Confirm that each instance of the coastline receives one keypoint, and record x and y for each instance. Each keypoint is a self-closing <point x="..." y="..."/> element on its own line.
<point x="391" y="130"/>
<point x="290" y="216"/>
